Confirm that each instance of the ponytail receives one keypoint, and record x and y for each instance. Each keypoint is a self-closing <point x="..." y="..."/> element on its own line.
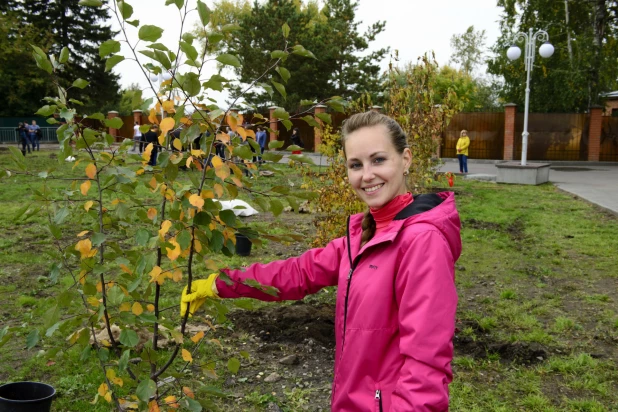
<point x="369" y="228"/>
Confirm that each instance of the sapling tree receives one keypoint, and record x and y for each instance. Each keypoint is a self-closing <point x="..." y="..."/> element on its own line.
<point x="129" y="234"/>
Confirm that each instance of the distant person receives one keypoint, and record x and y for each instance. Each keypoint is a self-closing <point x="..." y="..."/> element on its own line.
<point x="34" y="132"/>
<point x="152" y="136"/>
<point x="297" y="140"/>
<point x="137" y="138"/>
<point x="462" y="151"/>
<point x="22" y="130"/>
<point x="261" y="138"/>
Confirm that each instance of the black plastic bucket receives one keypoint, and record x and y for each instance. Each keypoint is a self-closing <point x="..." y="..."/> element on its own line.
<point x="26" y="397"/>
<point x="243" y="245"/>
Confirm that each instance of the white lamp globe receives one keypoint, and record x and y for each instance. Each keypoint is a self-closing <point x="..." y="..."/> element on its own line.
<point x="546" y="50"/>
<point x="154" y="77"/>
<point x="513" y="52"/>
<point x="166" y="75"/>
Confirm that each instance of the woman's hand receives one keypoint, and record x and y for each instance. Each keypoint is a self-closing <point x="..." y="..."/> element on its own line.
<point x="200" y="290"/>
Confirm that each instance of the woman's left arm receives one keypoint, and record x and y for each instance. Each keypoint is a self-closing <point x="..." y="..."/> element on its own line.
<point x="425" y="290"/>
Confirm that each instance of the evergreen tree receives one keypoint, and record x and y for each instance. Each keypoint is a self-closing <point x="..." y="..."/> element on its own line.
<point x="81" y="30"/>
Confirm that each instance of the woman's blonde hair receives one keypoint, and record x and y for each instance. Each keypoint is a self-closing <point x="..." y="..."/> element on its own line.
<point x="462" y="132"/>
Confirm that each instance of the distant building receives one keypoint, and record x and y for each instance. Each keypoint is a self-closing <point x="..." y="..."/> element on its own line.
<point x="611" y="104"/>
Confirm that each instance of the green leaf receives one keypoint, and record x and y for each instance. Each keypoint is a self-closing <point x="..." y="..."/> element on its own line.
<point x="41" y="59"/>
<point x="133" y="23"/>
<point x="301" y="51"/>
<point x="288" y="124"/>
<point x="192" y="405"/>
<point x="216" y="241"/>
<point x="228" y="59"/>
<point x="280" y="88"/>
<point x="64" y="55"/>
<point x="96" y="116"/>
<point x="233" y="365"/>
<point x="146" y="389"/>
<point x="85" y="355"/>
<point x="124" y="360"/>
<point x="61" y="215"/>
<point x="276" y="144"/>
<point x="129" y="338"/>
<point x="149" y="33"/>
<point x="97" y="239"/>
<point x="286" y="30"/>
<point x="228" y="217"/>
<point x="204" y="12"/>
<point x="214" y="38"/>
<point x="272" y="157"/>
<point x="80" y="83"/>
<point x="337" y="105"/>
<point x="114" y="123"/>
<point x="191" y="84"/>
<point x="109" y="47"/>
<point x="90" y="3"/>
<point x="243" y="151"/>
<point x="325" y="117"/>
<point x="158" y="46"/>
<point x="115" y="296"/>
<point x="20" y="212"/>
<point x="125" y="9"/>
<point x="142" y="236"/>
<point x="47" y="110"/>
<point x="276" y="207"/>
<point x="310" y="121"/>
<point x="178" y="3"/>
<point x="284" y="73"/>
<point x="112" y="61"/>
<point x="279" y="54"/>
<point x="184" y="239"/>
<point x="189" y="50"/>
<point x="136" y="99"/>
<point x="280" y="113"/>
<point x="32" y="339"/>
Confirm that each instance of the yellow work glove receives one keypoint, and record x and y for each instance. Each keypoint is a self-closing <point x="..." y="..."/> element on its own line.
<point x="201" y="289"/>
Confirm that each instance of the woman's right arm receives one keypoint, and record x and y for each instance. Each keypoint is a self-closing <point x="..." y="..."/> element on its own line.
<point x="294" y="277"/>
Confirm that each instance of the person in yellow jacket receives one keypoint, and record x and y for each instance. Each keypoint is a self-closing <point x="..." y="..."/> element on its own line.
<point x="462" y="151"/>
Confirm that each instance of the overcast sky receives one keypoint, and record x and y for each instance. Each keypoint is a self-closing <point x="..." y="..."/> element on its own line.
<point x="412" y="27"/>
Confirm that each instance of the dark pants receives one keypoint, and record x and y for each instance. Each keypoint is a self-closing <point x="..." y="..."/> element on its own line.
<point x="463" y="163"/>
<point x="153" y="157"/>
<point x="220" y="150"/>
<point x="26" y="143"/>
<point x="34" y="140"/>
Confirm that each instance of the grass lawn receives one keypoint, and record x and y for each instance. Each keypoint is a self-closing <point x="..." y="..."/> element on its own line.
<point x="537" y="320"/>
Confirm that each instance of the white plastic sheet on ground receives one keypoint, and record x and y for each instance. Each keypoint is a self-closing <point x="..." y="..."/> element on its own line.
<point x="239" y="207"/>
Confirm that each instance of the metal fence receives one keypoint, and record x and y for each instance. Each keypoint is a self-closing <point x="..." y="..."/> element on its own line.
<point x="486" y="132"/>
<point x="609" y="140"/>
<point x="553" y="136"/>
<point x="10" y="135"/>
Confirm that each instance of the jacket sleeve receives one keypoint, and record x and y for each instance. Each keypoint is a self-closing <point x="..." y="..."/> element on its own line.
<point x="294" y="278"/>
<point x="464" y="144"/>
<point x="425" y="290"/>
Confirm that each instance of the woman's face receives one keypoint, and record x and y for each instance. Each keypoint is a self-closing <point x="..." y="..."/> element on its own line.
<point x="464" y="133"/>
<point x="375" y="168"/>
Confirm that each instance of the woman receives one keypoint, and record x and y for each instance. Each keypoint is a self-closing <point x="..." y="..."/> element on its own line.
<point x="396" y="300"/>
<point x="296" y="140"/>
<point x="462" y="151"/>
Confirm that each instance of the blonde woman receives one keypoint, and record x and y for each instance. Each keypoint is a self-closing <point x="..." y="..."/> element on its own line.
<point x="462" y="151"/>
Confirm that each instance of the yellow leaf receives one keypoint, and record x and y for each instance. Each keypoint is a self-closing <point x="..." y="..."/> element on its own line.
<point x="88" y="205"/>
<point x="197" y="337"/>
<point x="84" y="247"/>
<point x="197" y="153"/>
<point x="147" y="152"/>
<point x="84" y="233"/>
<point x="154" y="274"/>
<point x="152" y="213"/>
<point x="186" y="356"/>
<point x="125" y="307"/>
<point x="189" y="162"/>
<point x="177" y="144"/>
<point x="168" y="106"/>
<point x="211" y="265"/>
<point x="217" y="162"/>
<point x="232" y="121"/>
<point x="139" y="172"/>
<point x="108" y="397"/>
<point x="165" y="227"/>
<point x="197" y="201"/>
<point x="217" y="342"/>
<point x="218" y="190"/>
<point x="153" y="183"/>
<point x="242" y="132"/>
<point x="161" y="139"/>
<point x="185" y="120"/>
<point x="188" y="392"/>
<point x="152" y="117"/>
<point x="237" y="181"/>
<point x="171" y="402"/>
<point x="251" y="133"/>
<point x="110" y="373"/>
<point x="91" y="170"/>
<point x="223" y="172"/>
<point x="153" y="406"/>
<point x="99" y="287"/>
<point x="125" y="269"/>
<point x="167" y="124"/>
<point x="208" y="194"/>
<point x="150" y="307"/>
<point x="137" y="309"/>
<point x="85" y="187"/>
<point x="177" y="275"/>
<point x="103" y="388"/>
<point x="197" y="245"/>
<point x="118" y="381"/>
<point x="173" y="254"/>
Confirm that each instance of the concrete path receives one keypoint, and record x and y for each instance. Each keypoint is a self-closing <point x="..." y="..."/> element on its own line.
<point x="596" y="182"/>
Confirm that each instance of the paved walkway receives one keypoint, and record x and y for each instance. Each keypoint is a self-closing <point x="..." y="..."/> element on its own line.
<point x="596" y="182"/>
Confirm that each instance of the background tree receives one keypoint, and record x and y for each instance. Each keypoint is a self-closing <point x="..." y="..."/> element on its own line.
<point x="343" y="68"/>
<point x="583" y="66"/>
<point x="81" y="31"/>
<point x="468" y="49"/>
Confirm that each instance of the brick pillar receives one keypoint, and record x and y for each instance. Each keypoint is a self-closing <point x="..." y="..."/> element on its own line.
<point x="510" y="110"/>
<point x="594" y="133"/>
<point x="137" y="117"/>
<point x="112" y="131"/>
<point x="317" y="131"/>
<point x="273" y="124"/>
<point x="376" y="109"/>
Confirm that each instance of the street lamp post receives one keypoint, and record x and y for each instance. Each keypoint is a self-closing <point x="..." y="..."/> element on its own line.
<point x="546" y="50"/>
<point x="158" y="79"/>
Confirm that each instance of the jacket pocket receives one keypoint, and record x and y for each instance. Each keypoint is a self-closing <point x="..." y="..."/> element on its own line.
<point x="378" y="400"/>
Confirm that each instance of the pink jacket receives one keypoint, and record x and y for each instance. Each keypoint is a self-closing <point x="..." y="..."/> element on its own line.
<point x="395" y="313"/>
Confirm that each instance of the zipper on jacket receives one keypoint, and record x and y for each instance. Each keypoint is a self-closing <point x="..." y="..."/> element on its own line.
<point x="347" y="293"/>
<point x="379" y="400"/>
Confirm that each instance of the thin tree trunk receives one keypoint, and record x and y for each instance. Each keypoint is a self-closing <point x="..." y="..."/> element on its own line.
<point x="568" y="30"/>
<point x="600" y="21"/>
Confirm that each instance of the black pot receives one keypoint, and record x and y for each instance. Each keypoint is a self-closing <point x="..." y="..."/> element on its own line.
<point x="243" y="245"/>
<point x="26" y="397"/>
